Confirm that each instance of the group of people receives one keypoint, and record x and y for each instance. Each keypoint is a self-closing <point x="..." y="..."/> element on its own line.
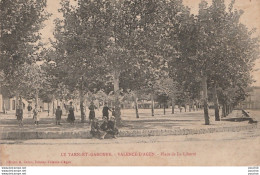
<point x="35" y="111"/>
<point x="108" y="126"/>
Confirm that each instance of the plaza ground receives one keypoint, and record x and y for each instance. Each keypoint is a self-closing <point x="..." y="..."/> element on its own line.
<point x="208" y="149"/>
<point x="170" y="124"/>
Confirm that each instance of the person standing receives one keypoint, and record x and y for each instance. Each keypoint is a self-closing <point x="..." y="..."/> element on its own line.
<point x="105" y="111"/>
<point x="71" y="116"/>
<point x="58" y="115"/>
<point x="92" y="108"/>
<point x="19" y="114"/>
<point x="36" y="116"/>
<point x="29" y="108"/>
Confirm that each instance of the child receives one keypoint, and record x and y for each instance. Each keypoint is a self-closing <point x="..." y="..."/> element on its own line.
<point x="36" y="115"/>
<point x="58" y="115"/>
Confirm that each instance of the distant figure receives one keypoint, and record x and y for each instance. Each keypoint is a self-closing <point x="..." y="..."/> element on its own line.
<point x="36" y="116"/>
<point x="91" y="108"/>
<point x="105" y="111"/>
<point x="19" y="114"/>
<point x="29" y="108"/>
<point x="111" y="127"/>
<point x="71" y="116"/>
<point x="58" y="115"/>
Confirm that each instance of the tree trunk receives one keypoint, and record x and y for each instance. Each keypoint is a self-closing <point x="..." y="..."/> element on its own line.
<point x="48" y="109"/>
<point x="190" y="106"/>
<point x="216" y="104"/>
<point x="116" y="75"/>
<point x="16" y="101"/>
<point x="224" y="110"/>
<point x="4" y="109"/>
<point x="193" y="106"/>
<point x="82" y="108"/>
<point x="205" y="100"/>
<point x="164" y="106"/>
<point x="136" y="105"/>
<point x="53" y="107"/>
<point x="152" y="105"/>
<point x="173" y="105"/>
<point x="227" y="111"/>
<point x="36" y="97"/>
<point x="20" y="102"/>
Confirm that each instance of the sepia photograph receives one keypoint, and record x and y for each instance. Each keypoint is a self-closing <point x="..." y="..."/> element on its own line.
<point x="129" y="83"/>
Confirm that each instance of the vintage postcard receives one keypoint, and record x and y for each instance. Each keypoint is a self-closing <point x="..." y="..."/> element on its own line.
<point x="129" y="83"/>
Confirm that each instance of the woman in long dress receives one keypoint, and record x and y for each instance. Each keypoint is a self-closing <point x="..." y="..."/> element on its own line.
<point x="92" y="108"/>
<point x="71" y="116"/>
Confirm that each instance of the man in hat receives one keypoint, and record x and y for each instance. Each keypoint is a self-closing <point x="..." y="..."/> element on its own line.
<point x="105" y="111"/>
<point x="19" y="114"/>
<point x="58" y="115"/>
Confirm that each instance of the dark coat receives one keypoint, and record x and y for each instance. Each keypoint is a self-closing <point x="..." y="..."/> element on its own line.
<point x="71" y="116"/>
<point x="58" y="114"/>
<point x="103" y="126"/>
<point x="111" y="128"/>
<point x="19" y="114"/>
<point x="92" y="111"/>
<point x="105" y="111"/>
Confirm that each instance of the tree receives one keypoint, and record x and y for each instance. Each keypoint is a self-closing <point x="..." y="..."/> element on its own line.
<point x="19" y="42"/>
<point x="233" y="48"/>
<point x="79" y="46"/>
<point x="211" y="50"/>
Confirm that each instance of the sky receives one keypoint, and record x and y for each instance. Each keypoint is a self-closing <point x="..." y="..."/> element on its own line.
<point x="251" y="18"/>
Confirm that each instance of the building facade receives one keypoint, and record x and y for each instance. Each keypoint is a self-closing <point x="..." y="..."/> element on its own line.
<point x="253" y="100"/>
